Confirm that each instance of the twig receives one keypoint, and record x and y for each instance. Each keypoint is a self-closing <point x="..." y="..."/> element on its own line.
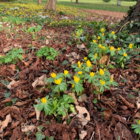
<point x="124" y="25"/>
<point x="92" y="135"/>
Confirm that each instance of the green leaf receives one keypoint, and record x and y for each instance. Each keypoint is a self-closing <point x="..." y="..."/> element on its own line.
<point x="39" y="136"/>
<point x="95" y="101"/>
<point x="7" y="95"/>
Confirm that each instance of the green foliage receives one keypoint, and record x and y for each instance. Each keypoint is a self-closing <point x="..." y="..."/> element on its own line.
<point x="39" y="136"/>
<point x="56" y="106"/>
<point x="12" y="56"/>
<point x="136" y="127"/>
<point x="48" y="52"/>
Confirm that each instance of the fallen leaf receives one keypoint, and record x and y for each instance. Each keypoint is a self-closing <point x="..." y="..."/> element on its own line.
<point x="73" y="96"/>
<point x="107" y="114"/>
<point x="83" y="98"/>
<point x="37" y="113"/>
<point x="82" y="134"/>
<point x="5" y="123"/>
<point x="11" y="83"/>
<point x="104" y="60"/>
<point x="5" y="50"/>
<point x="47" y="41"/>
<point x="82" y="46"/>
<point x="26" y="128"/>
<point x="83" y="110"/>
<point x="41" y="81"/>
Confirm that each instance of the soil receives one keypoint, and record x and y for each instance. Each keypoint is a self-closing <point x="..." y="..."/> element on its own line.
<point x="118" y="15"/>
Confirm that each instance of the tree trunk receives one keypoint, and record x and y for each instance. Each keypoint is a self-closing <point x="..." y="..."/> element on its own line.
<point x="76" y="1"/>
<point x="133" y="17"/>
<point x="50" y="5"/>
<point x="39" y="2"/>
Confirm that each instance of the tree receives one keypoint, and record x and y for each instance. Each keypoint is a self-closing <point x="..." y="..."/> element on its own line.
<point x="50" y="5"/>
<point x="39" y="2"/>
<point x="132" y="17"/>
<point x="76" y="1"/>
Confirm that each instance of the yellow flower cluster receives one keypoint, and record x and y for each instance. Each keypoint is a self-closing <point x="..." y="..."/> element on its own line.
<point x="102" y="82"/>
<point x="101" y="71"/>
<point x="58" y="81"/>
<point x="76" y="79"/>
<point x="44" y="100"/>
<point x="88" y="63"/>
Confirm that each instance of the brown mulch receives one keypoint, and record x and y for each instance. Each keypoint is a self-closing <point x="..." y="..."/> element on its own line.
<point x="114" y="14"/>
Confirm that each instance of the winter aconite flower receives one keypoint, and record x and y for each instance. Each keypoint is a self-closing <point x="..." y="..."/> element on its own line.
<point x="101" y="72"/>
<point x="139" y="121"/>
<point x="72" y="85"/>
<point x="80" y="72"/>
<point x="95" y="55"/>
<point x="100" y="46"/>
<point x="58" y="81"/>
<point x="112" y="48"/>
<point x="113" y="32"/>
<point x="53" y="75"/>
<point x="92" y="74"/>
<point x="99" y="37"/>
<point x="125" y="54"/>
<point x="76" y="79"/>
<point x="44" y="100"/>
<point x="102" y="30"/>
<point x="111" y="79"/>
<point x="65" y="72"/>
<point x="102" y="82"/>
<point x="88" y="63"/>
<point x="79" y="64"/>
<point x="94" y="41"/>
<point x="85" y="58"/>
<point x="130" y="46"/>
<point x="119" y="49"/>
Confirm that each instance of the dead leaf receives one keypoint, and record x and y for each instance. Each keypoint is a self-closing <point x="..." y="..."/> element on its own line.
<point x="5" y="50"/>
<point x="83" y="110"/>
<point x="73" y="96"/>
<point x="41" y="81"/>
<point x="81" y="46"/>
<point x="5" y="123"/>
<point x="104" y="60"/>
<point x="83" y="134"/>
<point x="26" y="128"/>
<point x="37" y="113"/>
<point x="83" y="98"/>
<point x="107" y="114"/>
<point x="47" y="41"/>
<point x="11" y="83"/>
<point x="138" y="102"/>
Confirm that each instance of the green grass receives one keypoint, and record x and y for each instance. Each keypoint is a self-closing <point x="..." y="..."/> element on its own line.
<point x="95" y="4"/>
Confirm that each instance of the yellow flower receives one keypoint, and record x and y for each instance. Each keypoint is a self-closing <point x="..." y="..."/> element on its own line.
<point x="112" y="48"/>
<point x="111" y="79"/>
<point x="77" y="34"/>
<point x="53" y="75"/>
<point x="95" y="55"/>
<point x="79" y="64"/>
<point x="92" y="74"/>
<point x="102" y="82"/>
<point x="99" y="37"/>
<point x="88" y="63"/>
<point x="0" y="55"/>
<point x="113" y="32"/>
<point x="125" y="54"/>
<point x="119" y="49"/>
<point x="79" y="25"/>
<point x="80" y="72"/>
<point x="76" y="79"/>
<point x="130" y="46"/>
<point x="103" y="34"/>
<point x="72" y="85"/>
<point x="106" y="20"/>
<point x="101" y="72"/>
<point x="85" y="58"/>
<point x="139" y="121"/>
<point x="94" y="41"/>
<point x="102" y="30"/>
<point x="58" y="81"/>
<point x="100" y="45"/>
<point x="66" y="72"/>
<point x="44" y="100"/>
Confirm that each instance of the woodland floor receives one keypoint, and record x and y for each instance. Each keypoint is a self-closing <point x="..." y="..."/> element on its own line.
<point x="110" y="118"/>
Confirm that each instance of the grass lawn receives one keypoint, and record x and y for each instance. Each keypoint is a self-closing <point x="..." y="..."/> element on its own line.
<point x="96" y="4"/>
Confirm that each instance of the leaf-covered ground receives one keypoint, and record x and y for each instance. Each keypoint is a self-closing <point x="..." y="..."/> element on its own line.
<point x="23" y="81"/>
